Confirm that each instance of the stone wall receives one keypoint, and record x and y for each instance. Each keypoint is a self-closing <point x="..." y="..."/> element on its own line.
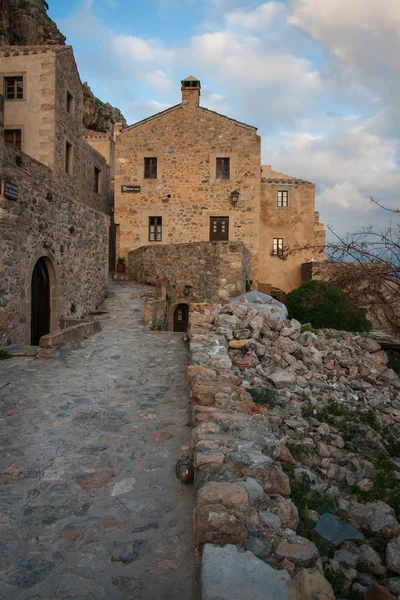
<point x="216" y="271"/>
<point x="186" y="140"/>
<point x="289" y="477"/>
<point x="47" y="221"/>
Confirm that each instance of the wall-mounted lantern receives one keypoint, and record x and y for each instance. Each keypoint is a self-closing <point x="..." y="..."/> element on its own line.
<point x="234" y="197"/>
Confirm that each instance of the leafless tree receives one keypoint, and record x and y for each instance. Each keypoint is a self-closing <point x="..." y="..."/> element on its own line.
<point x="365" y="264"/>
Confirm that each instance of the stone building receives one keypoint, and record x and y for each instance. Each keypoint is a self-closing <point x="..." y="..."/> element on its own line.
<point x="190" y="175"/>
<point x="55" y="198"/>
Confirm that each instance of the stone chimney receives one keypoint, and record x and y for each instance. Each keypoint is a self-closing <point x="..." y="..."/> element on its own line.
<point x="190" y="92"/>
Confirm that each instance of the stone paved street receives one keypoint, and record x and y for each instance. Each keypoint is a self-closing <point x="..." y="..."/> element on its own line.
<point x="90" y="505"/>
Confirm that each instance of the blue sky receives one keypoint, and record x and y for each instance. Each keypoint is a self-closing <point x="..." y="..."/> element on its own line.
<point x="319" y="78"/>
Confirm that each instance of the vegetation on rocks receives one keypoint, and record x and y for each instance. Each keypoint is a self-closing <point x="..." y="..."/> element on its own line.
<point x="324" y="306"/>
<point x="4" y="355"/>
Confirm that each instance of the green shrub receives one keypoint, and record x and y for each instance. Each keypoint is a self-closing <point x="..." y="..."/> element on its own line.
<point x="4" y="355"/>
<point x="265" y="397"/>
<point x="323" y="305"/>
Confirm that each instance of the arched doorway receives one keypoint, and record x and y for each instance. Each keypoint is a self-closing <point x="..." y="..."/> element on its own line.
<point x="181" y="317"/>
<point x="40" y="302"/>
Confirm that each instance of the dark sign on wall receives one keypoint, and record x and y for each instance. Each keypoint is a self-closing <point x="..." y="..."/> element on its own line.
<point x="10" y="190"/>
<point x="130" y="189"/>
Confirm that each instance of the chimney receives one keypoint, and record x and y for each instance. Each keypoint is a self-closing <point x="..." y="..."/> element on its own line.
<point x="190" y="92"/>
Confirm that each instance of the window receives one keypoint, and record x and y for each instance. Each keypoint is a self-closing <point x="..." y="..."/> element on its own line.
<point x="282" y="199"/>
<point x="150" y="168"/>
<point x="13" y="138"/>
<point x="70" y="103"/>
<point x="277" y="247"/>
<point x="14" y="88"/>
<point x="97" y="180"/>
<point x="219" y="229"/>
<point x="68" y="157"/>
<point x="223" y="168"/>
<point x="155" y="229"/>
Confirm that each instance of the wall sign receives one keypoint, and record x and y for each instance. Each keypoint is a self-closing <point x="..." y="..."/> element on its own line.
<point x="130" y="189"/>
<point x="10" y="190"/>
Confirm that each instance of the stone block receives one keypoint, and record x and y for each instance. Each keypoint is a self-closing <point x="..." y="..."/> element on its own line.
<point x="228" y="574"/>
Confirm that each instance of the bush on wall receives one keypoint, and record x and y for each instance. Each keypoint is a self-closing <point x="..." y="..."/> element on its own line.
<point x="323" y="305"/>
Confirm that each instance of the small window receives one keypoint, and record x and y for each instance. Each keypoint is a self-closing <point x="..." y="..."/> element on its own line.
<point x="277" y="247"/>
<point x="13" y="137"/>
<point x="150" y="168"/>
<point x="70" y="103"/>
<point x="282" y="199"/>
<point x="219" y="229"/>
<point x="14" y="88"/>
<point x="223" y="168"/>
<point x="68" y="157"/>
<point x="155" y="229"/>
<point x="97" y="180"/>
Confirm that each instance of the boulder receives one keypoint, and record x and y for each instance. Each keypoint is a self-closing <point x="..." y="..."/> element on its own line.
<point x="311" y="585"/>
<point x="228" y="574"/>
<point x="231" y="495"/>
<point x="369" y="561"/>
<point x="300" y="551"/>
<point x="335" y="531"/>
<point x="216" y="524"/>
<point x="282" y="379"/>
<point x="393" y="555"/>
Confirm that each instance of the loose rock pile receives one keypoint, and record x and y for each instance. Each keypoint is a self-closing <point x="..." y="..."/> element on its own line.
<point x="296" y="450"/>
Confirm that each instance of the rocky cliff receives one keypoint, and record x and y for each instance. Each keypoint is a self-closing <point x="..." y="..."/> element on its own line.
<point x="26" y="23"/>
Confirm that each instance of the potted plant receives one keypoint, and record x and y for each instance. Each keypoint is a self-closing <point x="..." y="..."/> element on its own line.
<point x="121" y="264"/>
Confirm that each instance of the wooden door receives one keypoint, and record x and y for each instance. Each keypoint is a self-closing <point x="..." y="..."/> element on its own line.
<point x="181" y="317"/>
<point x="219" y="229"/>
<point x="40" y="302"/>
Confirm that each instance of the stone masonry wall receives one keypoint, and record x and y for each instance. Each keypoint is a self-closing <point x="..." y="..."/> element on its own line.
<point x="50" y="72"/>
<point x="186" y="140"/>
<point x="47" y="221"/>
<point x="217" y="271"/>
<point x="289" y="477"/>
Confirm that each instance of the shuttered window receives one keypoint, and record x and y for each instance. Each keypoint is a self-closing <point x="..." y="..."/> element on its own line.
<point x="219" y="229"/>
<point x="223" y="168"/>
<point x="155" y="229"/>
<point x="13" y="137"/>
<point x="150" y="168"/>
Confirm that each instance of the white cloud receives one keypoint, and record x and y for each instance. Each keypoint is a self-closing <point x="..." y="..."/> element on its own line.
<point x="159" y="80"/>
<point x="345" y="195"/>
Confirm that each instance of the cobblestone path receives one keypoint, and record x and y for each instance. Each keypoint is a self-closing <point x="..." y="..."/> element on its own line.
<point x="90" y="505"/>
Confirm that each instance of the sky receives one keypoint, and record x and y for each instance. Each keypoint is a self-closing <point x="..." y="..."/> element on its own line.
<point x="319" y="78"/>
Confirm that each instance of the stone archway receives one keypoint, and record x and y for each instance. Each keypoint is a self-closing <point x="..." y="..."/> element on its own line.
<point x="40" y="302"/>
<point x="44" y="262"/>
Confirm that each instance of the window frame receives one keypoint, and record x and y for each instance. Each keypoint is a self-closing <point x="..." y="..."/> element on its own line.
<point x="68" y="158"/>
<point x="15" y="141"/>
<point x="15" y="79"/>
<point x="278" y="247"/>
<point x="155" y="223"/>
<point x="150" y="167"/>
<point x="282" y="200"/>
<point x="223" y="167"/>
<point x="222" y="232"/>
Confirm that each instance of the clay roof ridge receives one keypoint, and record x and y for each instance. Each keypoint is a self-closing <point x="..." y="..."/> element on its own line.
<point x="283" y="180"/>
<point x="241" y="123"/>
<point x="95" y="134"/>
<point x="159" y="114"/>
